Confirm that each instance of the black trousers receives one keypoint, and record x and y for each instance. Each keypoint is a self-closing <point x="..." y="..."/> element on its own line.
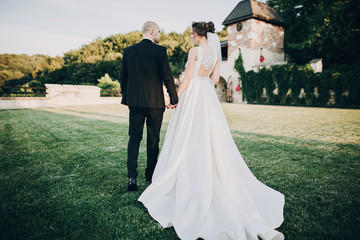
<point x="137" y="118"/>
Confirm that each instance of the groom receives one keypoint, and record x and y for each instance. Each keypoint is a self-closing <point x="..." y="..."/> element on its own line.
<point x="145" y="67"/>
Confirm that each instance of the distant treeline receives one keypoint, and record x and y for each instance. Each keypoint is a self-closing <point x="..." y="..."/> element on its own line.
<point x="89" y="63"/>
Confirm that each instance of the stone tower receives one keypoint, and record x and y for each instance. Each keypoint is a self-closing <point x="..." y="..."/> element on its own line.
<point x="257" y="30"/>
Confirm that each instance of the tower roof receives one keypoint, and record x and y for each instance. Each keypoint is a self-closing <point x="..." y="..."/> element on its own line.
<point x="253" y="9"/>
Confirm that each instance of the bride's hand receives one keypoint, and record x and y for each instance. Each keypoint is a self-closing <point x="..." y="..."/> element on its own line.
<point x="170" y="106"/>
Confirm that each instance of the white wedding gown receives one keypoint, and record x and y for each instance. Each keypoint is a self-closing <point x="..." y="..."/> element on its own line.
<point x="201" y="185"/>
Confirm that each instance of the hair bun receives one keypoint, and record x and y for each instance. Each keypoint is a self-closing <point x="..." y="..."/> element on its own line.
<point x="210" y="27"/>
<point x="202" y="28"/>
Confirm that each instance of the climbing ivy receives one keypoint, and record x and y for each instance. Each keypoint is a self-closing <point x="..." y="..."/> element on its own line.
<point x="293" y="84"/>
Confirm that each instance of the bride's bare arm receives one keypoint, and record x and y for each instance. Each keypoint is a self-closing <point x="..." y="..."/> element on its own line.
<point x="215" y="75"/>
<point x="189" y="70"/>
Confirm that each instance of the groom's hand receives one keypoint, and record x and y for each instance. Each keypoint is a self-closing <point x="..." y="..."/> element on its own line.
<point x="170" y="106"/>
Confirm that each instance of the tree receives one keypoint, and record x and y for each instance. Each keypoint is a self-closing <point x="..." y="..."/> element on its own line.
<point x="327" y="29"/>
<point x="223" y="34"/>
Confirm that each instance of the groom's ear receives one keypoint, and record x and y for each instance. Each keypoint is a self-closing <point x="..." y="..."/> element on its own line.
<point x="152" y="31"/>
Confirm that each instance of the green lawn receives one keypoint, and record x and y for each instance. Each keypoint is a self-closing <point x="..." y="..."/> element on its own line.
<point x="63" y="171"/>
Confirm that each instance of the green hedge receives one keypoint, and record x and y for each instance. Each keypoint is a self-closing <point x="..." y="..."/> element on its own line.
<point x="260" y="87"/>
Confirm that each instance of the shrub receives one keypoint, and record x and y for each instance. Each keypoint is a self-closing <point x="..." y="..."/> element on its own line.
<point x="289" y="79"/>
<point x="106" y="82"/>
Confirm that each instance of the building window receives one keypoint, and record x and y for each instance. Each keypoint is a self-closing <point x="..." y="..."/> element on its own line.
<point x="224" y="50"/>
<point x="239" y="26"/>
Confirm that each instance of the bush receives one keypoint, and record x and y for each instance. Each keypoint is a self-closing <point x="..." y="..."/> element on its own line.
<point x="106" y="82"/>
<point x="289" y="79"/>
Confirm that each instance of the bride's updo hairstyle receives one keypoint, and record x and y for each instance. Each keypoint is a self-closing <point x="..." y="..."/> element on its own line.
<point x="202" y="28"/>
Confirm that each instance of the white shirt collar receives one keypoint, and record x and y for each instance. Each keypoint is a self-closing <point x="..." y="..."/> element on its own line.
<point x="148" y="39"/>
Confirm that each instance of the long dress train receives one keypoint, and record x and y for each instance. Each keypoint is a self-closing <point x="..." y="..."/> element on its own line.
<point x="201" y="185"/>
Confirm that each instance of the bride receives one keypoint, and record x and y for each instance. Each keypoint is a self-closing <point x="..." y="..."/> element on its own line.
<point x="201" y="185"/>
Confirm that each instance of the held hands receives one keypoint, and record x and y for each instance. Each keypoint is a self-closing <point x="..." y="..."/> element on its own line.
<point x="170" y="106"/>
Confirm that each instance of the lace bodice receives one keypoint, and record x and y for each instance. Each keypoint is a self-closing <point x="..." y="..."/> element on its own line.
<point x="208" y="59"/>
<point x="205" y="62"/>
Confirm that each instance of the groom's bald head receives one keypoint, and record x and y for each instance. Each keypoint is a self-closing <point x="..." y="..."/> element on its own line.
<point x="148" y="26"/>
<point x="151" y="30"/>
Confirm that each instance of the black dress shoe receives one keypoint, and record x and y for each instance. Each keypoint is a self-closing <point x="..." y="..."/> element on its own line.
<point x="132" y="185"/>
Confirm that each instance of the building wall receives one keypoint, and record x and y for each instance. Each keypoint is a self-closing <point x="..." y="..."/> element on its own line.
<point x="228" y="72"/>
<point x="220" y="89"/>
<point x="254" y="35"/>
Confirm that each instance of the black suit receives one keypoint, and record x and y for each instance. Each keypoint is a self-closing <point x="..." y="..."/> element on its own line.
<point x="145" y="67"/>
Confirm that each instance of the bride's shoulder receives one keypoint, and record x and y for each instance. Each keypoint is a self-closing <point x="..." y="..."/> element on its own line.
<point x="193" y="51"/>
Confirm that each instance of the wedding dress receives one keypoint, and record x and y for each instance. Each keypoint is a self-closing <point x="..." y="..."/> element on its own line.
<point x="201" y="185"/>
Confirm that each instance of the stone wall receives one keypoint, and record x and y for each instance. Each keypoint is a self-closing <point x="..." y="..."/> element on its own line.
<point x="220" y="89"/>
<point x="60" y="95"/>
<point x="256" y="34"/>
<point x="256" y="37"/>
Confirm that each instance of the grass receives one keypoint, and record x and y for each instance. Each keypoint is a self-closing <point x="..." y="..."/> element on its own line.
<point x="63" y="171"/>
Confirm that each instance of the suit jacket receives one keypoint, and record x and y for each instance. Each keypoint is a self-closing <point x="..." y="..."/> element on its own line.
<point x="145" y="67"/>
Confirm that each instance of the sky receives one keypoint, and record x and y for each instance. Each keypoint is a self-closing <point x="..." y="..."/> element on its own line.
<point x="53" y="27"/>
